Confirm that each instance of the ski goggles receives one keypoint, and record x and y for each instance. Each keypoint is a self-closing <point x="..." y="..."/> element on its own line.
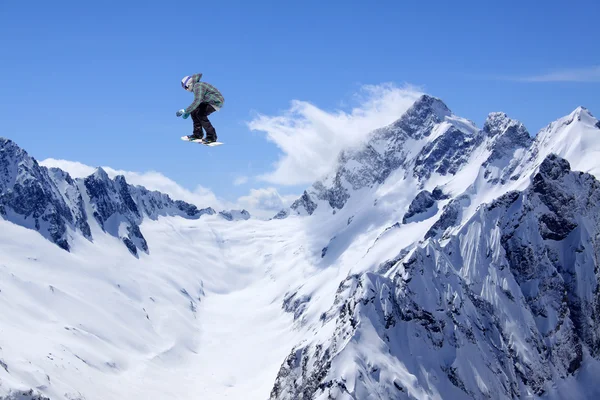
<point x="184" y="83"/>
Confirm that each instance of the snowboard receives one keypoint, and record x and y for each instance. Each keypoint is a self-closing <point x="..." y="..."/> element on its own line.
<point x="200" y="141"/>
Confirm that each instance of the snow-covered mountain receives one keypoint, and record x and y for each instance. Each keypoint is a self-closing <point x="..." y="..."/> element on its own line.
<point x="438" y="260"/>
<point x="50" y="201"/>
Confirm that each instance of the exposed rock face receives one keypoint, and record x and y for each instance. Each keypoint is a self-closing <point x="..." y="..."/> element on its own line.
<point x="420" y="204"/>
<point x="506" y="137"/>
<point x="450" y="216"/>
<point x="25" y="395"/>
<point x="235" y="215"/>
<point x="446" y="154"/>
<point x="29" y="197"/>
<point x="304" y="204"/>
<point x="517" y="299"/>
<point x="283" y="214"/>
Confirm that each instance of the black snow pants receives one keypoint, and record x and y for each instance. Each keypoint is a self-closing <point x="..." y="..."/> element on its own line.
<point x="200" y="118"/>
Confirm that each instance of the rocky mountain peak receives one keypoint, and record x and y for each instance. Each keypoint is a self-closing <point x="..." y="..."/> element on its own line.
<point x="427" y="104"/>
<point x="235" y="215"/>
<point x="421" y="116"/>
<point x="554" y="167"/>
<point x="506" y="135"/>
<point x="582" y="111"/>
<point x="498" y="123"/>
<point x="8" y="147"/>
<point x="101" y="174"/>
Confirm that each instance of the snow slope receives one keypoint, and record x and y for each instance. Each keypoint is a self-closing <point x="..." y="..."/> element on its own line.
<point x="98" y="323"/>
<point x="439" y="260"/>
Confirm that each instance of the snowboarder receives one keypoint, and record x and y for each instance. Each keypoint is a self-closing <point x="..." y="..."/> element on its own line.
<point x="207" y="99"/>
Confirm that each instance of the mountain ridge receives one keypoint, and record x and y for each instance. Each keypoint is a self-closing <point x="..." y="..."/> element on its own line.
<point x="58" y="206"/>
<point x="503" y="163"/>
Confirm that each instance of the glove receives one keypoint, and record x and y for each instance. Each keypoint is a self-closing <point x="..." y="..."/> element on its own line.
<point x="180" y="113"/>
<point x="184" y="116"/>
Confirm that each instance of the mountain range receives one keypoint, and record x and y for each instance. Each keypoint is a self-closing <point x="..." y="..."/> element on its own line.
<point x="437" y="260"/>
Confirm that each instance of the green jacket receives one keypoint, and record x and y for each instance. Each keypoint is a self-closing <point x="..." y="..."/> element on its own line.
<point x="204" y="93"/>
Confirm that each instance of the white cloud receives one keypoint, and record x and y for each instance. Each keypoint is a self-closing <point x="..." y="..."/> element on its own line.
<point x="266" y="202"/>
<point x="74" y="168"/>
<point x="201" y="196"/>
<point x="586" y="74"/>
<point x="311" y="138"/>
<point x="240" y="180"/>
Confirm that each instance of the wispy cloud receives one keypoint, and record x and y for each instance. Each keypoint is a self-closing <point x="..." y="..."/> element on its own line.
<point x="585" y="74"/>
<point x="265" y="202"/>
<point x="311" y="138"/>
<point x="240" y="180"/>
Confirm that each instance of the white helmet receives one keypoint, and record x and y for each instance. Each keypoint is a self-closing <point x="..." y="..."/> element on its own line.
<point x="186" y="83"/>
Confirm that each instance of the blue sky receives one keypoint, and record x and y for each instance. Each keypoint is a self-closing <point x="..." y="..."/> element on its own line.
<point x="99" y="82"/>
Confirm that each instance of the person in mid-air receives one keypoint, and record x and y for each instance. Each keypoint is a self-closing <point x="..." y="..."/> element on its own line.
<point x="207" y="99"/>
